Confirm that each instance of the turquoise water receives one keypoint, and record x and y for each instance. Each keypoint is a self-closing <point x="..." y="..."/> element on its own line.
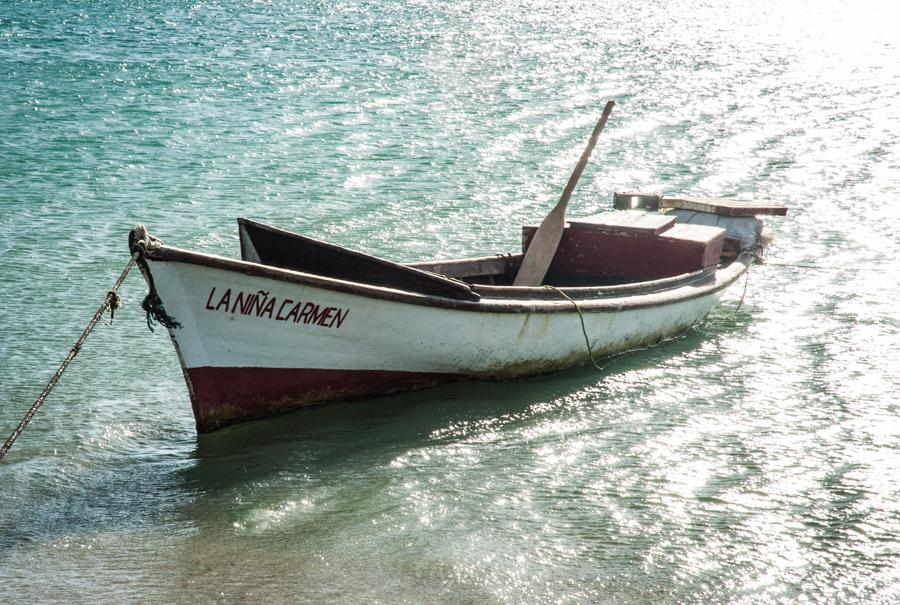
<point x="755" y="460"/>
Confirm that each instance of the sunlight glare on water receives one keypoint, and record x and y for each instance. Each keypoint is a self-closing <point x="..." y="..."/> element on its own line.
<point x="754" y="460"/>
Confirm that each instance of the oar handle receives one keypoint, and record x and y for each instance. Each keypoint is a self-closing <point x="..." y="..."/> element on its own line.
<point x="573" y="180"/>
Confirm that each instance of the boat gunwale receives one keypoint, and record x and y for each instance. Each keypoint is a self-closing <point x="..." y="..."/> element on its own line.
<point x="594" y="292"/>
<point x="540" y="299"/>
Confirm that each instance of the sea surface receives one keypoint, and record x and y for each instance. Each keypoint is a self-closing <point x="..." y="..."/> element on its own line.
<point x="754" y="460"/>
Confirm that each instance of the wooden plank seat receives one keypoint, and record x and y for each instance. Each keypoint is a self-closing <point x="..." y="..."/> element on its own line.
<point x="725" y="207"/>
<point x="626" y="222"/>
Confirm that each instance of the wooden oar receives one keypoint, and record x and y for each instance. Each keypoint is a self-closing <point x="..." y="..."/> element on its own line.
<point x="545" y="242"/>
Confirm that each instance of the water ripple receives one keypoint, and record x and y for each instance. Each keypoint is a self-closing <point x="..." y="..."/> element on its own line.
<point x="750" y="461"/>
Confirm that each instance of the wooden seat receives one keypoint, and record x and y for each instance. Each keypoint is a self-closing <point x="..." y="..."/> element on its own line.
<point x="717" y="205"/>
<point x="625" y="222"/>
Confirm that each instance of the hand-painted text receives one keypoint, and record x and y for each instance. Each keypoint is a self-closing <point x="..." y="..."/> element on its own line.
<point x="261" y="304"/>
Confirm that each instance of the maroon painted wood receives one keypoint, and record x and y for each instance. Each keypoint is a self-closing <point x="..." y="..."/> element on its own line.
<point x="223" y="396"/>
<point x="643" y="248"/>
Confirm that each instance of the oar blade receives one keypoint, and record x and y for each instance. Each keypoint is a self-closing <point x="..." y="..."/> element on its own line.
<point x="542" y="249"/>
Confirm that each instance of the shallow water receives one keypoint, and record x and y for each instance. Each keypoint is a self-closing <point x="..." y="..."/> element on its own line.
<point x="755" y="460"/>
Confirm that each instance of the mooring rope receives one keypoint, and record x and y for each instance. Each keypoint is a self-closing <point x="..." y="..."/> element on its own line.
<point x="744" y="293"/>
<point x="140" y="242"/>
<point x="111" y="302"/>
<point x="587" y="340"/>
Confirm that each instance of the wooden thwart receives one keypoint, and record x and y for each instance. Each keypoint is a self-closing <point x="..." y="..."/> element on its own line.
<point x="637" y="222"/>
<point x="715" y="205"/>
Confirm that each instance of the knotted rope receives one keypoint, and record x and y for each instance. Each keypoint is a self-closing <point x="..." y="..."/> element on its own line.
<point x="139" y="242"/>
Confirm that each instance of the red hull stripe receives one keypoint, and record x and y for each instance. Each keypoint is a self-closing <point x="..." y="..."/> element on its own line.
<point x="223" y="396"/>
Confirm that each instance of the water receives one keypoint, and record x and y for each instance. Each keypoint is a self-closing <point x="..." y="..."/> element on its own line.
<point x="755" y="460"/>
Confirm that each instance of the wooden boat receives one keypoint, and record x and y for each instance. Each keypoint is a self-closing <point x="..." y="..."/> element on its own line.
<point x="298" y="321"/>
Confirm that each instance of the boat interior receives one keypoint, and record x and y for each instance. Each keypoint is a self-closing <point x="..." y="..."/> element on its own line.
<point x="607" y="249"/>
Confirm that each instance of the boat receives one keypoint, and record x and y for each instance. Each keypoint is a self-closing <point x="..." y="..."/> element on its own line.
<point x="296" y="321"/>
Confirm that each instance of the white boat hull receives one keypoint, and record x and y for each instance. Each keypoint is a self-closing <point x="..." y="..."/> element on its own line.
<point x="251" y="346"/>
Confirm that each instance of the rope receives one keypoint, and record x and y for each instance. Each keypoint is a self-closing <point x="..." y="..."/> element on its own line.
<point x="744" y="293"/>
<point x="111" y="302"/>
<point x="587" y="340"/>
<point x="139" y="242"/>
